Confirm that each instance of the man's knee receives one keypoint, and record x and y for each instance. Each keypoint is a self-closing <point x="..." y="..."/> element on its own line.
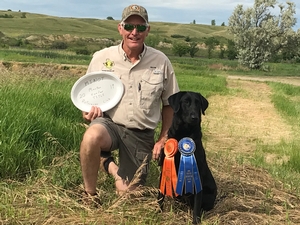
<point x="96" y="136"/>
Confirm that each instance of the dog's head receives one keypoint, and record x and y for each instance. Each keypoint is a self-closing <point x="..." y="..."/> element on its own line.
<point x="188" y="105"/>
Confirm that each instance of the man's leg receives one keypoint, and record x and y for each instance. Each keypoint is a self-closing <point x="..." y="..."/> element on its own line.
<point x="95" y="138"/>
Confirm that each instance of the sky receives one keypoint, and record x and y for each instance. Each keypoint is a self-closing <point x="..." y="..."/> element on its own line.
<point x="177" y="11"/>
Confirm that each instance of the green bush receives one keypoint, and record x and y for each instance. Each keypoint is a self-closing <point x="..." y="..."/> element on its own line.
<point x="59" y="45"/>
<point x="83" y="51"/>
<point x="177" y="36"/>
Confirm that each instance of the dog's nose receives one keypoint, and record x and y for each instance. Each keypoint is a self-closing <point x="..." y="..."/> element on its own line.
<point x="194" y="117"/>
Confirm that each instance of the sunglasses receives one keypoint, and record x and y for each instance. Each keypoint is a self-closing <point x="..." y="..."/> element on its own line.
<point x="130" y="27"/>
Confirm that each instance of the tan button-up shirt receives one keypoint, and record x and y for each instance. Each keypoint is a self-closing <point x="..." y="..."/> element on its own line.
<point x="147" y="85"/>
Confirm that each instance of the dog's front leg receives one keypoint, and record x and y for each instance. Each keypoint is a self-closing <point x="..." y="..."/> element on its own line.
<point x="160" y="200"/>
<point x="197" y="210"/>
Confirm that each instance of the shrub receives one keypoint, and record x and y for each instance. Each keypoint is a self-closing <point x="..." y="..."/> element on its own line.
<point x="59" y="45"/>
<point x="83" y="51"/>
<point x="177" y="36"/>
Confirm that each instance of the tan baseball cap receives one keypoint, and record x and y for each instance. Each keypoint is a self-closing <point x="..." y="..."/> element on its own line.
<point x="135" y="10"/>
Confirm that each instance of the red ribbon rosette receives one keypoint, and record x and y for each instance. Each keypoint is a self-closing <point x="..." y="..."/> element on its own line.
<point x="168" y="179"/>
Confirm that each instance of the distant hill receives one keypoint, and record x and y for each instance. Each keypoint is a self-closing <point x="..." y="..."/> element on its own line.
<point x="23" y="24"/>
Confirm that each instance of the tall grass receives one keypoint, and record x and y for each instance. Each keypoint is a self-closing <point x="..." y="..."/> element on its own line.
<point x="38" y="123"/>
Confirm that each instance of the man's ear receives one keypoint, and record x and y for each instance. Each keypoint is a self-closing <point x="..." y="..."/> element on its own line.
<point x="120" y="29"/>
<point x="174" y="100"/>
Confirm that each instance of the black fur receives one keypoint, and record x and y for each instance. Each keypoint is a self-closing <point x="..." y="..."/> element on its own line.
<point x="188" y="107"/>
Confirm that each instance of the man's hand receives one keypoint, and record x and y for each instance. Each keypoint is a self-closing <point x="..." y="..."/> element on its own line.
<point x="158" y="148"/>
<point x="92" y="114"/>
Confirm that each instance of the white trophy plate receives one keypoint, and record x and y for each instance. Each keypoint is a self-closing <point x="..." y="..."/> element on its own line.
<point x="100" y="89"/>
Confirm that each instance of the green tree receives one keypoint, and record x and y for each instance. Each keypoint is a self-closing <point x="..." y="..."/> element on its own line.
<point x="109" y="18"/>
<point x="152" y="40"/>
<point x="213" y="22"/>
<point x="193" y="49"/>
<point x="258" y="34"/>
<point x="231" y="52"/>
<point x="180" y="49"/>
<point x="211" y="43"/>
<point x="291" y="51"/>
<point x="222" y="51"/>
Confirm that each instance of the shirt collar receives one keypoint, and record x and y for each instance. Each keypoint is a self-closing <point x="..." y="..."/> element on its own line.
<point x="121" y="50"/>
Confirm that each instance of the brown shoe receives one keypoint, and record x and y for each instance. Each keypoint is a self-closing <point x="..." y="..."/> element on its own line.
<point x="91" y="200"/>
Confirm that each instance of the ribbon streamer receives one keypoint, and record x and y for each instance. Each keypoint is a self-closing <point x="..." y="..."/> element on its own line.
<point x="169" y="176"/>
<point x="188" y="173"/>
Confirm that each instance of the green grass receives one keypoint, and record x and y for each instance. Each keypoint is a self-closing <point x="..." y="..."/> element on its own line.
<point x="32" y="122"/>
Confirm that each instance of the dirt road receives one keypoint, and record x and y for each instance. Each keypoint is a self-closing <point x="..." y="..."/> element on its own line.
<point x="286" y="80"/>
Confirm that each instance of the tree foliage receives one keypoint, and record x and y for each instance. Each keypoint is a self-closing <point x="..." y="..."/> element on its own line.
<point x="211" y="43"/>
<point x="180" y="49"/>
<point x="259" y="33"/>
<point x="109" y="18"/>
<point x="193" y="49"/>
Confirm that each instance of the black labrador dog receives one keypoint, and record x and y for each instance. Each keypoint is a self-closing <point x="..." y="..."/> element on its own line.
<point x="188" y="107"/>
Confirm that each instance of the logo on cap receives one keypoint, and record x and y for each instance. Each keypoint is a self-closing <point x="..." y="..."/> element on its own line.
<point x="135" y="8"/>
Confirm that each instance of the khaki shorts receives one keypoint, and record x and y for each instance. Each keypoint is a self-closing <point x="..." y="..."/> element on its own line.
<point x="134" y="146"/>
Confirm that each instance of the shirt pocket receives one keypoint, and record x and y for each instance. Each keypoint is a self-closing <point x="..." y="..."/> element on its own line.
<point x="151" y="88"/>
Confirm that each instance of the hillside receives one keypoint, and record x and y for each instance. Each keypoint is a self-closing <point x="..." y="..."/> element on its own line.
<point x="38" y="24"/>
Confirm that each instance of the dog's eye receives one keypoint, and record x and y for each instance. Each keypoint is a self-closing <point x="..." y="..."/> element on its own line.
<point x="186" y="102"/>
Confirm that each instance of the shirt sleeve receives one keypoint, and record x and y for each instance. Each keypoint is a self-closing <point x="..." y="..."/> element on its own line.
<point x="170" y="82"/>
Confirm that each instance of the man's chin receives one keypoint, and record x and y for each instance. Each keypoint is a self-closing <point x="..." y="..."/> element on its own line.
<point x="135" y="44"/>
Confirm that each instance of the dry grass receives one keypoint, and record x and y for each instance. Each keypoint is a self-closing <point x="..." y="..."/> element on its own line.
<point x="248" y="117"/>
<point x="32" y="70"/>
<point x="233" y="125"/>
<point x="246" y="196"/>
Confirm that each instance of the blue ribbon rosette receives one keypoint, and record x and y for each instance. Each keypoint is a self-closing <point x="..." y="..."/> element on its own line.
<point x="188" y="173"/>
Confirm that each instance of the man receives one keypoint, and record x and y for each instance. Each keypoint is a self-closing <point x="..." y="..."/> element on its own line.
<point x="148" y="78"/>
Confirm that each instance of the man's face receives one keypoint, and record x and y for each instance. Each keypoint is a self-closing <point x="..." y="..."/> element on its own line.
<point x="132" y="38"/>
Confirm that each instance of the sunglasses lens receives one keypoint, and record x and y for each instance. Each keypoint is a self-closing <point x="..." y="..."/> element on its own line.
<point x="141" y="28"/>
<point x="130" y="27"/>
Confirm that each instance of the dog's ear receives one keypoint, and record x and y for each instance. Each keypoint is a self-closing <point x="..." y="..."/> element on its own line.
<point x="204" y="103"/>
<point x="174" y="100"/>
